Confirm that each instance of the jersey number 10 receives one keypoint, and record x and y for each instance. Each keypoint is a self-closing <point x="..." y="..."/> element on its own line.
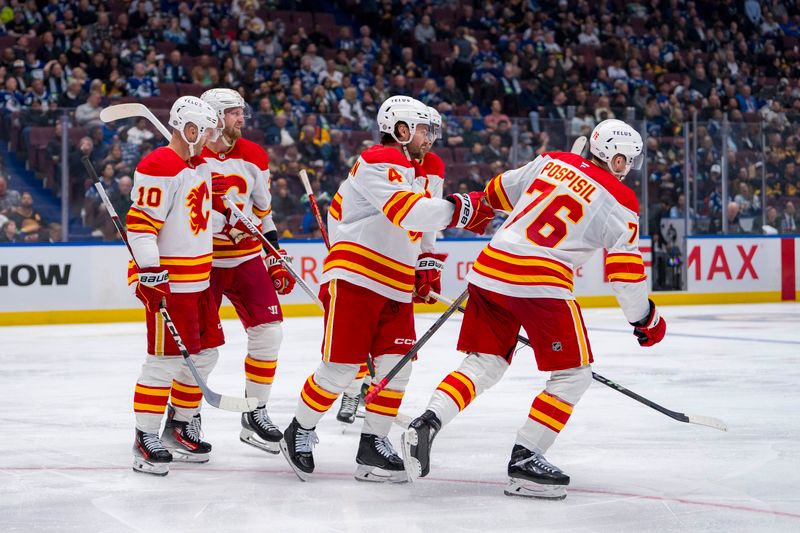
<point x="549" y="227"/>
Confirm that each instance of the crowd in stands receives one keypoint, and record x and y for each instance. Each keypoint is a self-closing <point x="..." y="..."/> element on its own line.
<point x="512" y="79"/>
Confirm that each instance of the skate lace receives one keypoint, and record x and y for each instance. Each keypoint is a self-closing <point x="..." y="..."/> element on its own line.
<point x="540" y="462"/>
<point x="262" y="419"/>
<point x="194" y="429"/>
<point x="384" y="447"/>
<point x="152" y="442"/>
<point x="349" y="403"/>
<point x="304" y="440"/>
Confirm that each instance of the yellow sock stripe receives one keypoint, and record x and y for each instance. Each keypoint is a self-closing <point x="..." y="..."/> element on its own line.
<point x="313" y="403"/>
<point x="259" y="379"/>
<point x="183" y="403"/>
<point x="149" y="407"/>
<point x="389" y="411"/>
<point x="549" y="420"/>
<point x="467" y="383"/>
<point x="322" y="392"/>
<point x="555" y="402"/>
<point x="454" y="393"/>
<point x="190" y="389"/>
<point x="261" y="364"/>
<point x="144" y="389"/>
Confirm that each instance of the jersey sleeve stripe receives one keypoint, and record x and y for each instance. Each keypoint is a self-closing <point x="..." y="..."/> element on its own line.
<point x="496" y="195"/>
<point x="261" y="213"/>
<point x="398" y="221"/>
<point x="335" y="209"/>
<point x="156" y="223"/>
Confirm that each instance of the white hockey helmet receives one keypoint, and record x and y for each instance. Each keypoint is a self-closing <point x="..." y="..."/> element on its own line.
<point x="221" y="99"/>
<point x="612" y="137"/>
<point x="192" y="110"/>
<point x="403" y="109"/>
<point x="436" y="123"/>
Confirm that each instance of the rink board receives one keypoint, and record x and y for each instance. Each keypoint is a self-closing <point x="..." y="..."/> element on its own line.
<point x="75" y="283"/>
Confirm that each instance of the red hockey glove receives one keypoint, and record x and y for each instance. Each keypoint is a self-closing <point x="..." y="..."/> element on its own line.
<point x="237" y="231"/>
<point x="651" y="329"/>
<point x="471" y="212"/>
<point x="152" y="287"/>
<point x="283" y="281"/>
<point x="428" y="276"/>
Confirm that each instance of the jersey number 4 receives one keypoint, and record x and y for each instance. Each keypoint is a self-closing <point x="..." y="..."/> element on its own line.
<point x="549" y="227"/>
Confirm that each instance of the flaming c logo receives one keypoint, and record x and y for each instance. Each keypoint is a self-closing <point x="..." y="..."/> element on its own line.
<point x="198" y="219"/>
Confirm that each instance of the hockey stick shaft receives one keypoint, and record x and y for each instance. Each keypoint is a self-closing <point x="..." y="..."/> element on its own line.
<point x="270" y="249"/>
<point x="314" y="207"/>
<point x="214" y="399"/>
<point x="414" y="349"/>
<point x="130" y="110"/>
<point x="681" y="417"/>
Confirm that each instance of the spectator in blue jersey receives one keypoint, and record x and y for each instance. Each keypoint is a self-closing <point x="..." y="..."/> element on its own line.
<point x="140" y="85"/>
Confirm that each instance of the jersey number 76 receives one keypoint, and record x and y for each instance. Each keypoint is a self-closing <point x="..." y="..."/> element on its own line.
<point x="549" y="227"/>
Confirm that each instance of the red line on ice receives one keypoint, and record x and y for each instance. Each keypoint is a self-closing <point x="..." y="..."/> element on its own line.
<point x="339" y="475"/>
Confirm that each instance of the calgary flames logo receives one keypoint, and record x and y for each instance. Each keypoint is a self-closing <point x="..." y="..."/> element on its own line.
<point x="198" y="218"/>
<point x="222" y="183"/>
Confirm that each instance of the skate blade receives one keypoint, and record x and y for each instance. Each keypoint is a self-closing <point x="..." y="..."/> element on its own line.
<point x="182" y="456"/>
<point x="411" y="463"/>
<point x="285" y="450"/>
<point x="530" y="489"/>
<point x="344" y="420"/>
<point x="251" y="437"/>
<point x="374" y="474"/>
<point x="144" y="466"/>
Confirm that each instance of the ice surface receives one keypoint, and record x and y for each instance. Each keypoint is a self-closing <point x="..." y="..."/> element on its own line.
<point x="66" y="429"/>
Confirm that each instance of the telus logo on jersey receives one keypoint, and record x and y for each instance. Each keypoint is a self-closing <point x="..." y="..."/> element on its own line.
<point x="26" y="275"/>
<point x="198" y="218"/>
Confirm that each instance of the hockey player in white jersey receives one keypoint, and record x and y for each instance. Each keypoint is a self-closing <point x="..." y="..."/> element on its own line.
<point x="562" y="208"/>
<point x="376" y="219"/>
<point x="240" y="169"/>
<point x="169" y="233"/>
<point x="428" y="274"/>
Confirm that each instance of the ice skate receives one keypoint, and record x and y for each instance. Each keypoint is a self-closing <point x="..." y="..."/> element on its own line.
<point x="531" y="476"/>
<point x="297" y="445"/>
<point x="417" y="442"/>
<point x="348" y="408"/>
<point x="378" y="462"/>
<point x="185" y="439"/>
<point x="259" y="431"/>
<point x="150" y="456"/>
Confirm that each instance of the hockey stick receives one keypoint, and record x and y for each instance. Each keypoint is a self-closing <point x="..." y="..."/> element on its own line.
<point x="579" y="145"/>
<point x="214" y="399"/>
<point x="315" y="207"/>
<point x="414" y="349"/>
<point x="123" y="111"/>
<point x="701" y="420"/>
<point x="270" y="249"/>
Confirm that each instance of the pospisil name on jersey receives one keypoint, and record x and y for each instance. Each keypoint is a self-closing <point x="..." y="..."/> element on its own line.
<point x="577" y="184"/>
<point x="26" y="275"/>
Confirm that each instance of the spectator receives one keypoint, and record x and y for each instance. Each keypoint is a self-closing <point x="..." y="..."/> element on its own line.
<point x="140" y="85"/>
<point x="88" y="113"/>
<point x="451" y="93"/>
<point x="27" y="219"/>
<point x="139" y="132"/>
<point x="8" y="232"/>
<point x="495" y="116"/>
<point x="73" y="97"/>
<point x="9" y="198"/>
<point x="174" y="71"/>
<point x="284" y="203"/>
<point x="352" y="114"/>
<point x="205" y="73"/>
<point x="789" y="222"/>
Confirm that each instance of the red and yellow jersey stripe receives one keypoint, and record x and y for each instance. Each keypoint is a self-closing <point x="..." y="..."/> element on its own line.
<point x="261" y="213"/>
<point x="181" y="269"/>
<point x="522" y="270"/>
<point x="370" y="264"/>
<point x="335" y="209"/>
<point x="140" y="222"/>
<point x="224" y="248"/>
<point x="625" y="267"/>
<point x="496" y="195"/>
<point x="399" y="205"/>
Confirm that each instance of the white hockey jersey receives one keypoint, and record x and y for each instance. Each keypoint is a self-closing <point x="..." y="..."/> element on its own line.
<point x="169" y="222"/>
<point x="244" y="169"/>
<point x="376" y="221"/>
<point x="562" y="209"/>
<point x="432" y="176"/>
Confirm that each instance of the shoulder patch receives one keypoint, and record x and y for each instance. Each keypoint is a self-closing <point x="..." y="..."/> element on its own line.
<point x="162" y="162"/>
<point x="621" y="192"/>
<point x="252" y="153"/>
<point x="433" y="165"/>
<point x="381" y="154"/>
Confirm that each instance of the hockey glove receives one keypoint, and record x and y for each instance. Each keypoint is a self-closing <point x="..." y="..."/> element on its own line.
<point x="471" y="212"/>
<point x="651" y="329"/>
<point x="237" y="231"/>
<point x="428" y="276"/>
<point x="283" y="281"/>
<point x="152" y="287"/>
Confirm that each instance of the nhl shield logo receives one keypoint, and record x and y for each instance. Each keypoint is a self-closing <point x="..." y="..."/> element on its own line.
<point x="556" y="346"/>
